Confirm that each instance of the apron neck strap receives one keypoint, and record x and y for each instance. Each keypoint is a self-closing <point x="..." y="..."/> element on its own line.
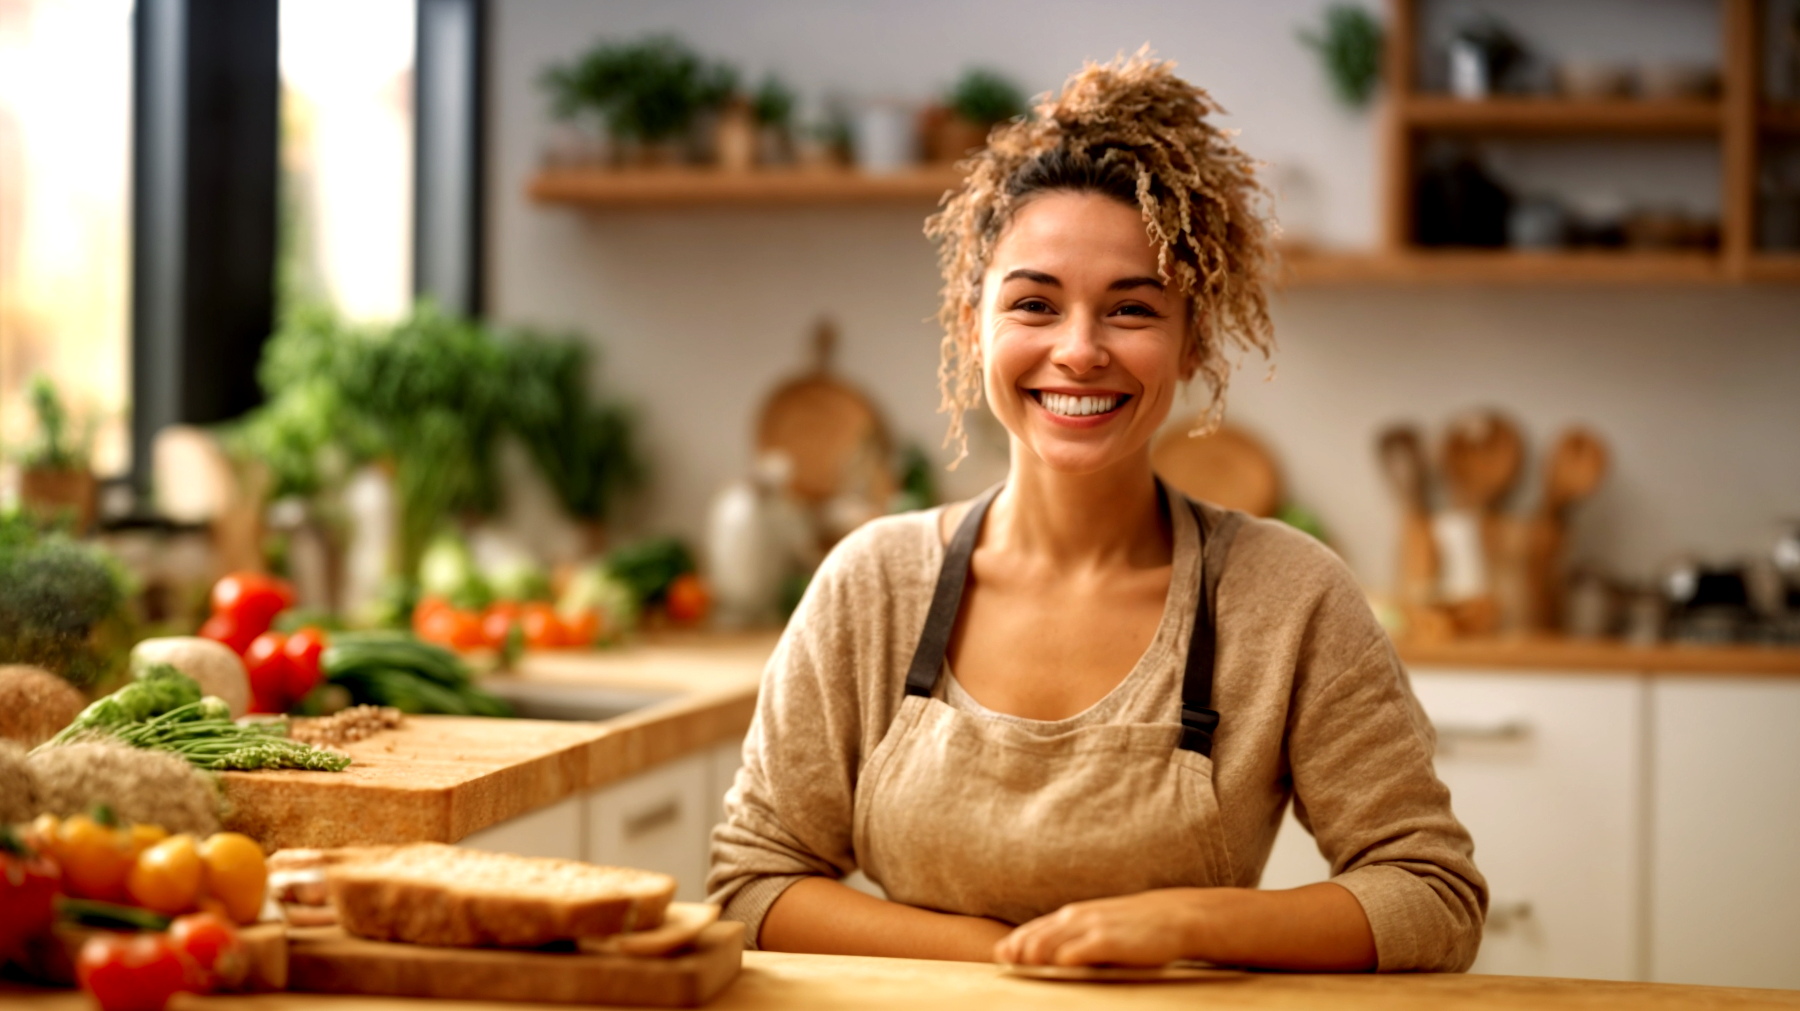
<point x="1199" y="721"/>
<point x="946" y="600"/>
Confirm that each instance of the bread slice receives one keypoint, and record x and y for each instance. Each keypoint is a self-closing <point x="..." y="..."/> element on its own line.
<point x="429" y="893"/>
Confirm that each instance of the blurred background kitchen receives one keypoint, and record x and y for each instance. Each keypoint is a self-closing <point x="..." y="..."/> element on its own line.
<point x="572" y="324"/>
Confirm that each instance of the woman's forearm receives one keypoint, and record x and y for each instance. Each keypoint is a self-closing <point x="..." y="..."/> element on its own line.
<point x="821" y="916"/>
<point x="1319" y="927"/>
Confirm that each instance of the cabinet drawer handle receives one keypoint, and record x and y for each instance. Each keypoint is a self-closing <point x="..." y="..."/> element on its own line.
<point x="1453" y="735"/>
<point x="651" y="819"/>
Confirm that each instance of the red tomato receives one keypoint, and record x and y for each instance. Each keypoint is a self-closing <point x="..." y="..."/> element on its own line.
<point x="497" y="622"/>
<point x="303" y="649"/>
<point x="424" y="609"/>
<point x="230" y="630"/>
<point x="268" y="665"/>
<point x="253" y="598"/>
<point x="688" y="600"/>
<point x="213" y="945"/>
<point x="581" y="628"/>
<point x="131" y="972"/>
<point x="542" y="628"/>
<point x="453" y="628"/>
<point x="28" y="886"/>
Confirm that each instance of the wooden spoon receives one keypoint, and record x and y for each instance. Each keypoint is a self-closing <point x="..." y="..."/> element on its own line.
<point x="1575" y="469"/>
<point x="1402" y="456"/>
<point x="1482" y="456"/>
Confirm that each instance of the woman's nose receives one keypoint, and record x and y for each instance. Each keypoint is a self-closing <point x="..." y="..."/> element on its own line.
<point x="1078" y="346"/>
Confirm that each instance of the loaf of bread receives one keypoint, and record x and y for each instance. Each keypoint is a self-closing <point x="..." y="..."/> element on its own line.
<point x="429" y="893"/>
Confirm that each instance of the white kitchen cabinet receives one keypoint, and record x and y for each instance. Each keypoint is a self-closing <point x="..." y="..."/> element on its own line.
<point x="555" y="831"/>
<point x="1546" y="772"/>
<point x="657" y="820"/>
<point x="1725" y="879"/>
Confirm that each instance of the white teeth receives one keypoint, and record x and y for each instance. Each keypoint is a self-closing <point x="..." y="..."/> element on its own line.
<point x="1075" y="407"/>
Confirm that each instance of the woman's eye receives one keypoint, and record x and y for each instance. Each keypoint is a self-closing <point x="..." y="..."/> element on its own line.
<point x="1135" y="310"/>
<point x="1036" y="305"/>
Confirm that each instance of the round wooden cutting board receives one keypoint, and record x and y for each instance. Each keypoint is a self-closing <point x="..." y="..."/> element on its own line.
<point x="1228" y="468"/>
<point x="829" y="431"/>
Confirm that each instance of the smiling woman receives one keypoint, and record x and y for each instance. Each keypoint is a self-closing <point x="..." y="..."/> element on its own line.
<point x="1060" y="724"/>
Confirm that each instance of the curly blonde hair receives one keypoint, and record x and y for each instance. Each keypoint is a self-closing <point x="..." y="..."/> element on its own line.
<point x="1132" y="130"/>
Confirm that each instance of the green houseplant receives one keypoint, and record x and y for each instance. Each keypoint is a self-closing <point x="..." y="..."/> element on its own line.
<point x="54" y="477"/>
<point x="648" y="93"/>
<point x="1350" y="45"/>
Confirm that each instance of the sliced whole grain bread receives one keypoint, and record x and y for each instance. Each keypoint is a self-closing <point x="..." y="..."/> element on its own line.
<point x="430" y="893"/>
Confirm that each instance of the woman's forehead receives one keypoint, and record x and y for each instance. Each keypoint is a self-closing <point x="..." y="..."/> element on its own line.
<point x="1089" y="232"/>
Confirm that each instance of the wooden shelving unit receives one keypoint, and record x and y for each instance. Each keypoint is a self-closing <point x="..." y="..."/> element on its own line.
<point x="1736" y="121"/>
<point x="1550" y="116"/>
<point x="685" y="187"/>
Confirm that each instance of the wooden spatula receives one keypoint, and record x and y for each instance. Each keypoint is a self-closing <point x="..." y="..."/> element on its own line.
<point x="1574" y="470"/>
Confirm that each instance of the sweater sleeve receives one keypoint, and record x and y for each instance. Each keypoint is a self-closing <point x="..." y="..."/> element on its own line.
<point x="1361" y="749"/>
<point x="788" y="815"/>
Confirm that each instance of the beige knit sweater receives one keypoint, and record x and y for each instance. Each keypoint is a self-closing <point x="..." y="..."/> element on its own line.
<point x="1315" y="706"/>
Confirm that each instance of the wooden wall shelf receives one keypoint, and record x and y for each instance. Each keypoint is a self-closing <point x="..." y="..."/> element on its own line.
<point x="683" y="186"/>
<point x="1504" y="267"/>
<point x="1780" y="119"/>
<point x="1558" y="116"/>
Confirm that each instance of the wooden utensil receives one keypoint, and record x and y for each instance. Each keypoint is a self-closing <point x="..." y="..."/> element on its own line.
<point x="1481" y="460"/>
<point x="1574" y="470"/>
<point x="326" y="960"/>
<point x="1402" y="456"/>
<point x="829" y="431"/>
<point x="1229" y="468"/>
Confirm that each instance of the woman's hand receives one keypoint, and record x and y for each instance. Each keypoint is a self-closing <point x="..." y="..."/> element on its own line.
<point x="1149" y="928"/>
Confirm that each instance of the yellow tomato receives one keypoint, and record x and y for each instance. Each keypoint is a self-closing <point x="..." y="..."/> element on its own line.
<point x="95" y="859"/>
<point x="236" y="874"/>
<point x="41" y="834"/>
<point x="167" y="876"/>
<point x="145" y="836"/>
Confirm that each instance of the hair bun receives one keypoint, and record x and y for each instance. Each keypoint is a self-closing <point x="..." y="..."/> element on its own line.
<point x="1133" y="96"/>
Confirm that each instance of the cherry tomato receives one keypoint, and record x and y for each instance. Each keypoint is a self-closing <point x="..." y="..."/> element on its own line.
<point x="131" y="972"/>
<point x="424" y="609"/>
<point x="144" y="836"/>
<point x="95" y="859"/>
<point x="28" y="887"/>
<point x="542" y="628"/>
<point x="166" y="877"/>
<point x="236" y="874"/>
<point x="230" y="630"/>
<point x="580" y="628"/>
<point x="267" y="663"/>
<point x="253" y="598"/>
<point x="688" y="600"/>
<point x="212" y="944"/>
<point x="497" y="622"/>
<point x="303" y="649"/>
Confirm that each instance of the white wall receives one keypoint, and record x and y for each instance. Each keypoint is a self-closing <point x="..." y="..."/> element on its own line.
<point x="701" y="311"/>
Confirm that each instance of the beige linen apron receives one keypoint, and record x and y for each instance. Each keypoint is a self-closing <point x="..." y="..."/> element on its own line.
<point x="983" y="817"/>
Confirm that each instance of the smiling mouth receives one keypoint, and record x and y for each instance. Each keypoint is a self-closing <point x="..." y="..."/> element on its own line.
<point x="1070" y="406"/>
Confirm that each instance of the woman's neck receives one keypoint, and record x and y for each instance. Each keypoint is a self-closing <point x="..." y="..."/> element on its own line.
<point x="1109" y="517"/>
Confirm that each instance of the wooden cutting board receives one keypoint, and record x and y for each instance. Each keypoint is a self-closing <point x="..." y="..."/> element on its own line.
<point x="1228" y="468"/>
<point x="432" y="779"/>
<point x="326" y="960"/>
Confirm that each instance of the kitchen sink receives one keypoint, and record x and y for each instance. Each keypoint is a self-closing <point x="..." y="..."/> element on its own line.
<point x="537" y="700"/>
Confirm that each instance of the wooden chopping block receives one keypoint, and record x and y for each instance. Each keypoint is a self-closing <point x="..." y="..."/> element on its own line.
<point x="1228" y="468"/>
<point x="326" y="960"/>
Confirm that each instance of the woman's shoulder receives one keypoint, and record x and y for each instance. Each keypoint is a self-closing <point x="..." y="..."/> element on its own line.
<point x="895" y="549"/>
<point x="1275" y="561"/>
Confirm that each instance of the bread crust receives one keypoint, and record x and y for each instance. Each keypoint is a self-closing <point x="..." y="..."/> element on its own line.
<point x="433" y="894"/>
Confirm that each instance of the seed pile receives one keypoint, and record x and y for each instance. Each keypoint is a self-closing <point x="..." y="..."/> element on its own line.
<point x="346" y="725"/>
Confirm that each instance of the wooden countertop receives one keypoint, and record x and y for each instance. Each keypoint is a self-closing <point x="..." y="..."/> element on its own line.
<point x="441" y="778"/>
<point x="777" y="982"/>
<point x="1556" y="654"/>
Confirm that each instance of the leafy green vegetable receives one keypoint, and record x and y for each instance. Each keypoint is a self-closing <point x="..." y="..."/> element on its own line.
<point x="156" y="689"/>
<point x="394" y="669"/>
<point x="63" y="603"/>
<point x="649" y="566"/>
<point x="583" y="449"/>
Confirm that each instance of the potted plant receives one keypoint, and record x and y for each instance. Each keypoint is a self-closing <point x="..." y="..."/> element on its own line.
<point x="54" y="477"/>
<point x="649" y="94"/>
<point x="979" y="100"/>
<point x="773" y="106"/>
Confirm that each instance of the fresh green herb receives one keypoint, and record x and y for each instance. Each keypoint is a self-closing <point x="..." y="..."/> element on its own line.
<point x="583" y="448"/>
<point x="986" y="97"/>
<point x="157" y="689"/>
<point x="56" y="447"/>
<point x="1350" y="46"/>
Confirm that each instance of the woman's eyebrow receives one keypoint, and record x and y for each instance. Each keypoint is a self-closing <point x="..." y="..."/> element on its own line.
<point x="1032" y="275"/>
<point x="1128" y="283"/>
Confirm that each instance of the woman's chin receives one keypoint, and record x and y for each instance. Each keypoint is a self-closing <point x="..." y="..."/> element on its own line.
<point x="1077" y="459"/>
